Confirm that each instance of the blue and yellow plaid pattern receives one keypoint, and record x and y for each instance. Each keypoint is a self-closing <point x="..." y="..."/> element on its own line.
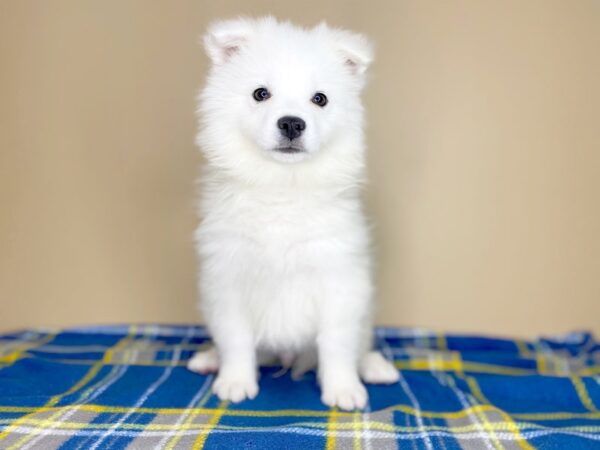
<point x="128" y="387"/>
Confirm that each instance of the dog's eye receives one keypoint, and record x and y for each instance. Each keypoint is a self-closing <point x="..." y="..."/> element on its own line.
<point x="261" y="94"/>
<point x="319" y="99"/>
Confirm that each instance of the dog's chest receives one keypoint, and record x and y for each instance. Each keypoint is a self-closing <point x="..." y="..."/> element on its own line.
<point x="278" y="249"/>
<point x="277" y="218"/>
<point x="281" y="246"/>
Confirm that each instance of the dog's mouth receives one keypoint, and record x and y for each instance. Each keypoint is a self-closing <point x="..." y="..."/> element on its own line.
<point x="289" y="149"/>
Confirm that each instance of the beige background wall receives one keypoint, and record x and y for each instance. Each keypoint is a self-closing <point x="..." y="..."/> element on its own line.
<point x="485" y="159"/>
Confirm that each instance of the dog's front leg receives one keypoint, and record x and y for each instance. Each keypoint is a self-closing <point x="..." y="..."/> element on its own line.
<point x="338" y="372"/>
<point x="237" y="377"/>
<point x="340" y="346"/>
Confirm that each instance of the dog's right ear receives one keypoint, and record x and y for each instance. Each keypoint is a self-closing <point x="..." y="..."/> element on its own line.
<point x="226" y="38"/>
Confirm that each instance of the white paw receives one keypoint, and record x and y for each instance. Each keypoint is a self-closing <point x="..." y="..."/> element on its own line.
<point x="347" y="395"/>
<point x="235" y="388"/>
<point x="204" y="362"/>
<point x="374" y="368"/>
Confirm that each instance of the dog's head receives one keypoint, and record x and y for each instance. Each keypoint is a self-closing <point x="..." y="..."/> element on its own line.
<point x="280" y="92"/>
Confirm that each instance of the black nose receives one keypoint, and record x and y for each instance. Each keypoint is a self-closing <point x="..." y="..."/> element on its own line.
<point x="291" y="127"/>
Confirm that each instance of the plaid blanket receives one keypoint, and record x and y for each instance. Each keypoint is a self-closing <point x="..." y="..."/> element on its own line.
<point x="127" y="387"/>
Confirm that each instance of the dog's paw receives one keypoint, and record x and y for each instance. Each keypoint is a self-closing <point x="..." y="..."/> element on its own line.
<point x="345" y="395"/>
<point x="374" y="368"/>
<point x="204" y="362"/>
<point x="235" y="388"/>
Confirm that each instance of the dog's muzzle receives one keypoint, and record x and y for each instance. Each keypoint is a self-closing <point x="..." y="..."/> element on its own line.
<point x="291" y="128"/>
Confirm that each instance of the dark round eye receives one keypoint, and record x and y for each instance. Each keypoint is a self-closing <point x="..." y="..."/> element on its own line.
<point x="261" y="94"/>
<point x="319" y="99"/>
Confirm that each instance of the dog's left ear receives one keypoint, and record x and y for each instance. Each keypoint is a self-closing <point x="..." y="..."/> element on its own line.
<point x="226" y="38"/>
<point x="355" y="49"/>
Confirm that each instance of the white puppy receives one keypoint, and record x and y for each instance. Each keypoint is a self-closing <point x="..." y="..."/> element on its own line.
<point x="283" y="243"/>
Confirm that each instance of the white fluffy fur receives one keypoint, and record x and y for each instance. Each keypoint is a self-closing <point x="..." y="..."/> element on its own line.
<point x="283" y="243"/>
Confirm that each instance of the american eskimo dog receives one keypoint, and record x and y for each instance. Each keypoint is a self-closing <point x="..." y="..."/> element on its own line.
<point x="283" y="243"/>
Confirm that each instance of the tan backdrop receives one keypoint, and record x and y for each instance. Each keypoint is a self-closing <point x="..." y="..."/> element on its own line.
<point x="484" y="158"/>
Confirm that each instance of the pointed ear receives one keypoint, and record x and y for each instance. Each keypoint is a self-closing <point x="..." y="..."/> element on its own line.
<point x="354" y="48"/>
<point x="226" y="38"/>
<point x="358" y="52"/>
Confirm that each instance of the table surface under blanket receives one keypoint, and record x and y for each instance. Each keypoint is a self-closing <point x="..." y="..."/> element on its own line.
<point x="128" y="387"/>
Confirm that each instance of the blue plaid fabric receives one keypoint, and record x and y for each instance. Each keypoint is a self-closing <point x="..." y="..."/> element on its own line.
<point x="127" y="387"/>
